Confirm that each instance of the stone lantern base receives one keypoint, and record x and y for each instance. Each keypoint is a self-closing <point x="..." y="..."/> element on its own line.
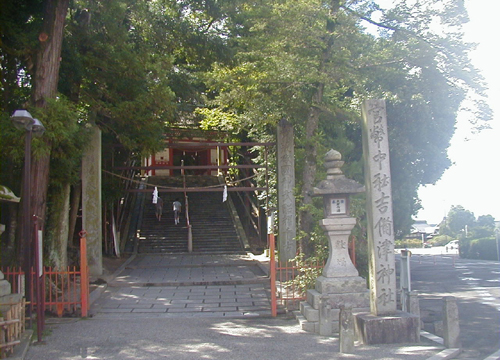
<point x="320" y="313"/>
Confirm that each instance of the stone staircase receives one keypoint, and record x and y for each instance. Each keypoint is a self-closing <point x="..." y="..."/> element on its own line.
<point x="213" y="229"/>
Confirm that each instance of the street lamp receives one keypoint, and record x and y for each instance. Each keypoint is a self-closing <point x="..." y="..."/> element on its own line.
<point x="23" y="120"/>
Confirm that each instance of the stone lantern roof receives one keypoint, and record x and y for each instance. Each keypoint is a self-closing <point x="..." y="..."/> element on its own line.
<point x="336" y="182"/>
<point x="8" y="195"/>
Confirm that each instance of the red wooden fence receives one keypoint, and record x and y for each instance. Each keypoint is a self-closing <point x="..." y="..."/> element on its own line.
<point x="65" y="292"/>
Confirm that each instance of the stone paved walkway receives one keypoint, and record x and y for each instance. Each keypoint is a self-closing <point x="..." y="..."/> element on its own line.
<point x="187" y="285"/>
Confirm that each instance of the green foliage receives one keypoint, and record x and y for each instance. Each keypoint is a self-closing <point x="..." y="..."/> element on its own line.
<point x="483" y="227"/>
<point x="308" y="270"/>
<point x="408" y="243"/>
<point x="117" y="67"/>
<point x="239" y="66"/>
<point x="67" y="137"/>
<point x="362" y="255"/>
<point x="485" y="249"/>
<point x="461" y="223"/>
<point x="457" y="220"/>
<point x="440" y="240"/>
<point x="215" y="119"/>
<point x="294" y="58"/>
<point x="20" y="23"/>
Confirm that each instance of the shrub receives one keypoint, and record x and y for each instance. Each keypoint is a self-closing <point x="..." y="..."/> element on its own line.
<point x="408" y="243"/>
<point x="485" y="249"/>
<point x="308" y="270"/>
<point x="440" y="240"/>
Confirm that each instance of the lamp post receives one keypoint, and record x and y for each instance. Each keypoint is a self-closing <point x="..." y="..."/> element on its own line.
<point x="23" y="120"/>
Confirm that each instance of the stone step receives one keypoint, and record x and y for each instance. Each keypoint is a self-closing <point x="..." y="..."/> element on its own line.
<point x="212" y="225"/>
<point x="309" y="326"/>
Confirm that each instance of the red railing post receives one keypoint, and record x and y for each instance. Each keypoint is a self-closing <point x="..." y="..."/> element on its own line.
<point x="272" y="271"/>
<point x="84" y="274"/>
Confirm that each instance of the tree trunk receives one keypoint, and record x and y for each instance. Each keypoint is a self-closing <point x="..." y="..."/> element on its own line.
<point x="45" y="82"/>
<point x="49" y="55"/>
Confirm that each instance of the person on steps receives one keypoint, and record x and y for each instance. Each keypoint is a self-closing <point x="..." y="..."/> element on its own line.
<point x="159" y="208"/>
<point x="177" y="209"/>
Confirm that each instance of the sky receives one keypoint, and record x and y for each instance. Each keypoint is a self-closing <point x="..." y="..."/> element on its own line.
<point x="473" y="179"/>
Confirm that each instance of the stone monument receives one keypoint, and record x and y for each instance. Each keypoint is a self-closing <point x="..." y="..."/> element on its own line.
<point x="384" y="323"/>
<point x="339" y="285"/>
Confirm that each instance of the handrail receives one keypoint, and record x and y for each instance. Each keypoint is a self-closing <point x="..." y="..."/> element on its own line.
<point x="121" y="208"/>
<point x="248" y="207"/>
<point x="186" y="205"/>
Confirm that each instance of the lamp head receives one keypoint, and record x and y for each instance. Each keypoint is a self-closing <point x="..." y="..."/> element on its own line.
<point x="37" y="129"/>
<point x="22" y="120"/>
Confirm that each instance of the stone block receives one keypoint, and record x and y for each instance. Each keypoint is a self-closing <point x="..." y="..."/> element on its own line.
<point x="309" y="312"/>
<point x="10" y="299"/>
<point x="313" y="297"/>
<point x="349" y="284"/>
<point x="5" y="288"/>
<point x="451" y="327"/>
<point x="402" y="327"/>
<point x="325" y="317"/>
<point x="309" y="326"/>
<point x="346" y="331"/>
<point x="353" y="300"/>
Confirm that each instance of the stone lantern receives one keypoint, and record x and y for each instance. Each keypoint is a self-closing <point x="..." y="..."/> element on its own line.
<point x="336" y="191"/>
<point x="340" y="285"/>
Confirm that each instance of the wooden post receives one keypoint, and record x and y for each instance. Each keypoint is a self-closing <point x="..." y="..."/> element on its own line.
<point x="190" y="238"/>
<point x="84" y="277"/>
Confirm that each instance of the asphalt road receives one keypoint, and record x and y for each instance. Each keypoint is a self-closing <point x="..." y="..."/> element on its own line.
<point x="437" y="273"/>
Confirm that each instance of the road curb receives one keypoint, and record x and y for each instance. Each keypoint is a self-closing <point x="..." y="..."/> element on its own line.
<point x="494" y="356"/>
<point x="21" y="349"/>
<point x="446" y="354"/>
<point x="443" y="355"/>
<point x="431" y="337"/>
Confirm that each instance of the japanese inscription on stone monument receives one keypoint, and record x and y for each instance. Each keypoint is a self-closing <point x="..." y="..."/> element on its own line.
<point x="338" y="206"/>
<point x="379" y="208"/>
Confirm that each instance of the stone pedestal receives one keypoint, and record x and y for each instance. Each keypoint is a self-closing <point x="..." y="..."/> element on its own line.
<point x="402" y="327"/>
<point x="322" y="308"/>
